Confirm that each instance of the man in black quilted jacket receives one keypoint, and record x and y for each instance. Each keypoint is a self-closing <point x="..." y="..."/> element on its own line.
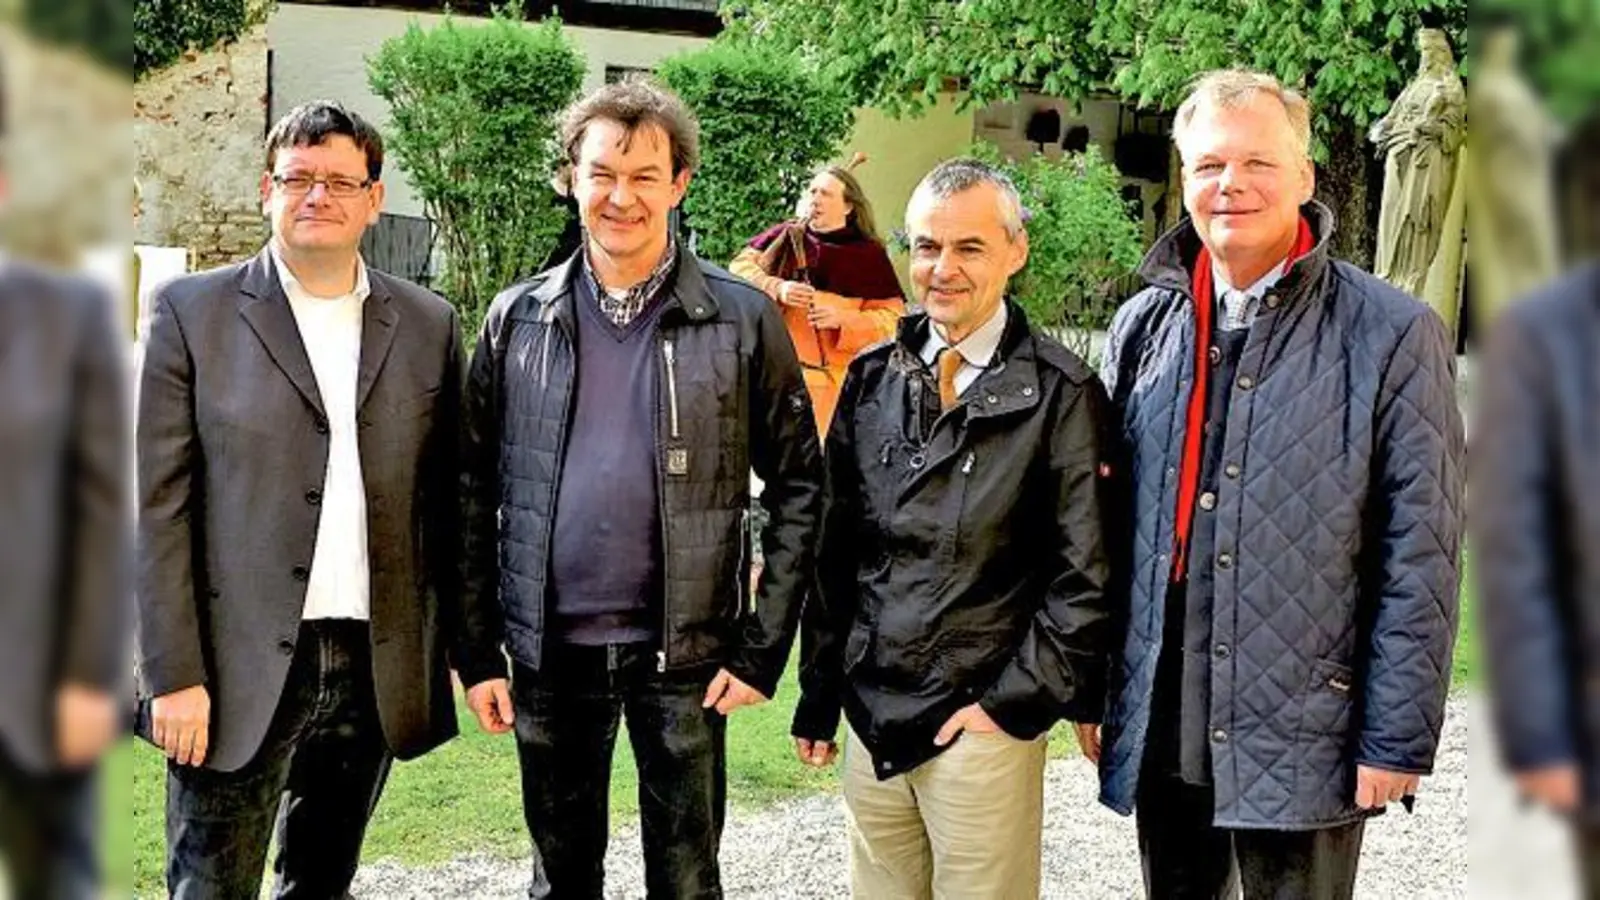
<point x="1296" y="458"/>
<point x="615" y="408"/>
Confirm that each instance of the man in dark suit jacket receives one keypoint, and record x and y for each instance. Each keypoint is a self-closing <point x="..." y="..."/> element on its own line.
<point x="64" y="542"/>
<point x="1535" y="515"/>
<point x="297" y="509"/>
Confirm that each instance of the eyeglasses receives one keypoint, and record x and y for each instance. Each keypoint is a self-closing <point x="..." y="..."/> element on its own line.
<point x="337" y="185"/>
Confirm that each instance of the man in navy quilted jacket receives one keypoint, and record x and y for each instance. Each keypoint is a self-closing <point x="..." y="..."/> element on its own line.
<point x="1295" y="453"/>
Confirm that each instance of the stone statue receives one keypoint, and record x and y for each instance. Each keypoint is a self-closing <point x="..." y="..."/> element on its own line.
<point x="1420" y="140"/>
<point x="1511" y="208"/>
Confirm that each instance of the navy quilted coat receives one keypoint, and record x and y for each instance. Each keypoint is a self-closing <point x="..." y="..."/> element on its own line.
<point x="1338" y="542"/>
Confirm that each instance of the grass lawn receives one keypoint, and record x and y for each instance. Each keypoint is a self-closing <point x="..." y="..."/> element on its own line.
<point x="462" y="798"/>
<point x="465" y="797"/>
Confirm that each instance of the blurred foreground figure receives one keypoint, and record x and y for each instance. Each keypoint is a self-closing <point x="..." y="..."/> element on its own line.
<point x="1535" y="489"/>
<point x="64" y="536"/>
<point x="63" y="540"/>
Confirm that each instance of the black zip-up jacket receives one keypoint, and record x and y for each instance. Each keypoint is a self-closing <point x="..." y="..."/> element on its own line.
<point x="732" y="398"/>
<point x="970" y="566"/>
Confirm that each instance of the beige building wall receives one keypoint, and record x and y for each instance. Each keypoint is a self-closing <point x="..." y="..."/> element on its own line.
<point x="901" y="151"/>
<point x="320" y="52"/>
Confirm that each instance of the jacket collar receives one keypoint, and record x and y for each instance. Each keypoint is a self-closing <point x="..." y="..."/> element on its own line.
<point x="1171" y="259"/>
<point x="1009" y="384"/>
<point x="689" y="292"/>
<point x="265" y="308"/>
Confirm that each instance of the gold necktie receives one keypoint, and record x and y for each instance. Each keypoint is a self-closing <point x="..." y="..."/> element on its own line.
<point x="949" y="363"/>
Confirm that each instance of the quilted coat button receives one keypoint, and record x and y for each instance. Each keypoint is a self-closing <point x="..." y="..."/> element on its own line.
<point x="1208" y="501"/>
<point x="1224" y="560"/>
<point x="1219" y="736"/>
<point x="1215" y="356"/>
<point x="1274" y="301"/>
<point x="1246" y="382"/>
<point x="1222" y="651"/>
<point x="1231" y="470"/>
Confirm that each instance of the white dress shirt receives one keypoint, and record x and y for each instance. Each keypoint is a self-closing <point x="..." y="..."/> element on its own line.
<point x="1238" y="308"/>
<point x="330" y="327"/>
<point x="977" y="350"/>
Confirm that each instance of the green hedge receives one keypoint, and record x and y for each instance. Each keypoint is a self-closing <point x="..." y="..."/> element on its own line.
<point x="473" y="126"/>
<point x="766" y="120"/>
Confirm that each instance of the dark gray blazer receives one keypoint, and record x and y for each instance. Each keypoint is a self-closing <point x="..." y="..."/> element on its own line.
<point x="232" y="449"/>
<point x="65" y="524"/>
<point x="1535" y="478"/>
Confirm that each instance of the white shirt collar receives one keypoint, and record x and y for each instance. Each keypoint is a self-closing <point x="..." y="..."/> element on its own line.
<point x="977" y="349"/>
<point x="293" y="288"/>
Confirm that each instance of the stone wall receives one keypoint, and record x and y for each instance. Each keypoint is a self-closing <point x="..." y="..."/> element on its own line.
<point x="198" y="129"/>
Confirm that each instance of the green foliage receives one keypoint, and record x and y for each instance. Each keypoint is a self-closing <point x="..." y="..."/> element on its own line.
<point x="474" y="118"/>
<point x="1353" y="57"/>
<point x="899" y="56"/>
<point x="1560" y="42"/>
<point x="164" y="30"/>
<point x="766" y="120"/>
<point x="1082" y="240"/>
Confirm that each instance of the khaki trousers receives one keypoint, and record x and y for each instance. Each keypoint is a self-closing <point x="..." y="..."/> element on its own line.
<point x="966" y="824"/>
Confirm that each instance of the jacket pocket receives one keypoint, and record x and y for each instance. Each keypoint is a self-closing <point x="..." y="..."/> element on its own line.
<point x="1329" y="698"/>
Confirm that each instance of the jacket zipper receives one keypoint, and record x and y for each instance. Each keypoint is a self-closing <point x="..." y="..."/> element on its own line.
<point x="741" y="574"/>
<point x="669" y="357"/>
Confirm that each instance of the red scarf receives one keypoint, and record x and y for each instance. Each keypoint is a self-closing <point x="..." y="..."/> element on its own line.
<point x="1189" y="470"/>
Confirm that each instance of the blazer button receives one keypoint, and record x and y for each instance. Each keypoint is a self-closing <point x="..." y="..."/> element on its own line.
<point x="286" y="646"/>
<point x="321" y="425"/>
<point x="300" y="573"/>
<point x="314" y="497"/>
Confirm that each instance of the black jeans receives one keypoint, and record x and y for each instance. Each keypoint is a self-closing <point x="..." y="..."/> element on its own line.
<point x="319" y="772"/>
<point x="48" y="827"/>
<point x="566" y="722"/>
<point x="1185" y="856"/>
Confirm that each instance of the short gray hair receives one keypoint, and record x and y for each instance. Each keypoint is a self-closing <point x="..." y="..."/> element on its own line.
<point x="953" y="176"/>
<point x="1232" y="89"/>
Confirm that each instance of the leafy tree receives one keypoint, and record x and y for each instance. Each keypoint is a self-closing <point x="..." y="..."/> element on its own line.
<point x="163" y="30"/>
<point x="1082" y="241"/>
<point x="474" y="111"/>
<point x="1351" y="58"/>
<point x="766" y="120"/>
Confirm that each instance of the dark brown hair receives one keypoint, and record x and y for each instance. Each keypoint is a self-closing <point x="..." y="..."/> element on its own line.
<point x="634" y="105"/>
<point x="311" y="124"/>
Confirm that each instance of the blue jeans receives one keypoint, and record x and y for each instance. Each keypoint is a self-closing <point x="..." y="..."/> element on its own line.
<point x="318" y="774"/>
<point x="566" y="722"/>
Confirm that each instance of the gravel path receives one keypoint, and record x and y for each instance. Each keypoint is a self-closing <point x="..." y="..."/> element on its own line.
<point x="797" y="849"/>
